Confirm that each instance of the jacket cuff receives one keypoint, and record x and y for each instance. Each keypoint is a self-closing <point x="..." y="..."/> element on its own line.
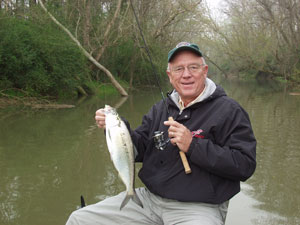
<point x="192" y="147"/>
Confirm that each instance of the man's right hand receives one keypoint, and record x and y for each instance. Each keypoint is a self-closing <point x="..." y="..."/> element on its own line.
<point x="100" y="118"/>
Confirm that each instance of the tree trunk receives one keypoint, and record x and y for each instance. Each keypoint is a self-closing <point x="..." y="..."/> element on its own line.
<point x="105" y="38"/>
<point x="120" y="89"/>
<point x="87" y="23"/>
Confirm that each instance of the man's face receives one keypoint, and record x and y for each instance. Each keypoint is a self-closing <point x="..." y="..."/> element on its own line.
<point x="187" y="75"/>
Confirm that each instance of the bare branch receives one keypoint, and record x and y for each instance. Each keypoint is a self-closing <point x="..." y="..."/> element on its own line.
<point x="108" y="28"/>
<point x="106" y="71"/>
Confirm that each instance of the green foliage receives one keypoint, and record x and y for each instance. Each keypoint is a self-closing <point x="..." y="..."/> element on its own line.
<point x="125" y="59"/>
<point x="296" y="72"/>
<point x="280" y="79"/>
<point x="296" y="75"/>
<point x="40" y="60"/>
<point x="106" y="90"/>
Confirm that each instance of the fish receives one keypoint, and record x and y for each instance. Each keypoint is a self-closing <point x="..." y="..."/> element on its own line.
<point x="122" y="152"/>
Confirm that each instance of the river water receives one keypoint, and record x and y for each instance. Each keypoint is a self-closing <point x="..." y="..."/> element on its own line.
<point x="48" y="158"/>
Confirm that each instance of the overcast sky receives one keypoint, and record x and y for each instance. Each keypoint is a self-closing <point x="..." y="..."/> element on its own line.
<point x="213" y="3"/>
<point x="214" y="6"/>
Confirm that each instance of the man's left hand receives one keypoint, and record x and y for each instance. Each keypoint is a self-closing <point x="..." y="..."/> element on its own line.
<point x="179" y="135"/>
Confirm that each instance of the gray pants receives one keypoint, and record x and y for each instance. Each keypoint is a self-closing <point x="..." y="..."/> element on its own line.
<point x="156" y="211"/>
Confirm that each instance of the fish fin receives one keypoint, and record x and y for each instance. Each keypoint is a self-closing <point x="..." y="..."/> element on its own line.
<point x="135" y="151"/>
<point x="126" y="200"/>
<point x="134" y="198"/>
<point x="109" y="143"/>
<point x="108" y="131"/>
<point x="137" y="200"/>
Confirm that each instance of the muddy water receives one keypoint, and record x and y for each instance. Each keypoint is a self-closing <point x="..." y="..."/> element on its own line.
<point x="48" y="158"/>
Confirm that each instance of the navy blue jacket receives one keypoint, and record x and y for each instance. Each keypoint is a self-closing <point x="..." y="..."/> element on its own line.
<point x="222" y="152"/>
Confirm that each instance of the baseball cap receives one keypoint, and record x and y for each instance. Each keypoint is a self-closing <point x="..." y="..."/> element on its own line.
<point x="184" y="46"/>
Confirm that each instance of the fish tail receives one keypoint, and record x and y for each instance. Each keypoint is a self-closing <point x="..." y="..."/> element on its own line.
<point x="137" y="200"/>
<point x="126" y="200"/>
<point x="132" y="196"/>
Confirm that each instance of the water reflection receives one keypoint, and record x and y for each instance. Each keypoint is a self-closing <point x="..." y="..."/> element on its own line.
<point x="9" y="211"/>
<point x="275" y="119"/>
<point x="243" y="210"/>
<point x="48" y="158"/>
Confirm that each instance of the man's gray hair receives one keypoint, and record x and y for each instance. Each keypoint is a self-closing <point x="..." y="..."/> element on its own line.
<point x="203" y="62"/>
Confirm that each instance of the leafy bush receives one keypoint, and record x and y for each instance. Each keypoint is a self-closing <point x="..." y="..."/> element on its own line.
<point x="41" y="60"/>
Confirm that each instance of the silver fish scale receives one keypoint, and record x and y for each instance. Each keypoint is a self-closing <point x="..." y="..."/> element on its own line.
<point x="121" y="151"/>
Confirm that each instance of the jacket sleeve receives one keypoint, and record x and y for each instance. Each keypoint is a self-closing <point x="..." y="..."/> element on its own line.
<point x="232" y="153"/>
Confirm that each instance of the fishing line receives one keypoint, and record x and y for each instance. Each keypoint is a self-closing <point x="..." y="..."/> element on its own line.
<point x="158" y="137"/>
<point x="149" y="56"/>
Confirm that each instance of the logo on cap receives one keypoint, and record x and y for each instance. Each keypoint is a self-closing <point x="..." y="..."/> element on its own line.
<point x="182" y="44"/>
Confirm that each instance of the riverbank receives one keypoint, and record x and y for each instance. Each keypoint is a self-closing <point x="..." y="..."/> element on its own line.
<point x="105" y="90"/>
<point x="31" y="102"/>
<point x="16" y="97"/>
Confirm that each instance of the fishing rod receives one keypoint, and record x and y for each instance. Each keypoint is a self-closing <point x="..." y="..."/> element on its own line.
<point x="158" y="135"/>
<point x="149" y="56"/>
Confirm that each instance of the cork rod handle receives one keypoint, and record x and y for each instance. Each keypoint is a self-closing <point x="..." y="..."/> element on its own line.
<point x="185" y="163"/>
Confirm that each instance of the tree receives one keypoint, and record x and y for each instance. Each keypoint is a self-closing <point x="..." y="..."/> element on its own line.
<point x="90" y="57"/>
<point x="257" y="36"/>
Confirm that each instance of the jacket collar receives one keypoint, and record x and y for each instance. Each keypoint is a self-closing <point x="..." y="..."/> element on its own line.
<point x="209" y="89"/>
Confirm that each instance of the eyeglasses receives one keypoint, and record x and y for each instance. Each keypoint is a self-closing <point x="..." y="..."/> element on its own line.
<point x="193" y="69"/>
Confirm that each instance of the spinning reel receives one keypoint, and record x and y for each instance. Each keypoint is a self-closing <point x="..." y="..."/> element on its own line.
<point x="159" y="141"/>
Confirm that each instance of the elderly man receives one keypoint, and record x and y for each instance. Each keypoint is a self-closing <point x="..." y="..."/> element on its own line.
<point x="215" y="133"/>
